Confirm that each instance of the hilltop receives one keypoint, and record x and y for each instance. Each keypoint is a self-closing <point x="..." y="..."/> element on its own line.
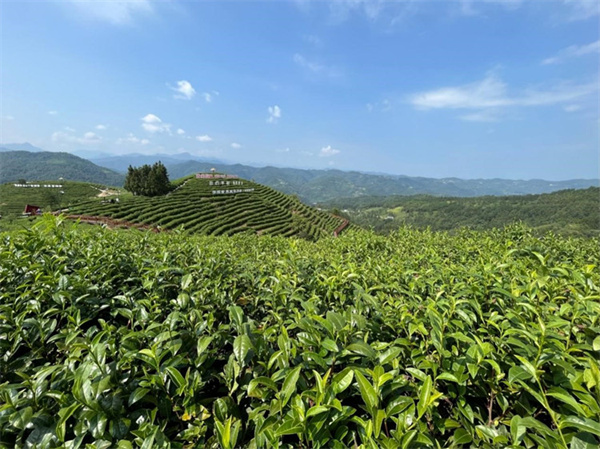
<point x="15" y="165"/>
<point x="217" y="207"/>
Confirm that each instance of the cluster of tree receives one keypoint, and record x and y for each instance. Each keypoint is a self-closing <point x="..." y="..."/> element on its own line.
<point x="148" y="180"/>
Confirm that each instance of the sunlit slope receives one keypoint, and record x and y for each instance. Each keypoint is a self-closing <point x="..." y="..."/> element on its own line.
<point x="196" y="208"/>
<point x="13" y="199"/>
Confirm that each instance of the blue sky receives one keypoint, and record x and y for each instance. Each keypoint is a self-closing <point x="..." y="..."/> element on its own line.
<point x="472" y="89"/>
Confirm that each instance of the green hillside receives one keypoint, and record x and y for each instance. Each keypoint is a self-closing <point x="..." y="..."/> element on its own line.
<point x="13" y="199"/>
<point x="15" y="165"/>
<point x="195" y="207"/>
<point x="569" y="212"/>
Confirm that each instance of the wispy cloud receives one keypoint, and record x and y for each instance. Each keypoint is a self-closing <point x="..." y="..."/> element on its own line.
<point x="153" y="124"/>
<point x="101" y="127"/>
<point x="328" y="151"/>
<point x="88" y="138"/>
<point x="236" y="146"/>
<point x="274" y="114"/>
<point x="130" y="138"/>
<point x="315" y="67"/>
<point x="209" y="96"/>
<point x="582" y="9"/>
<point x="572" y="107"/>
<point x="116" y="12"/>
<point x="8" y="117"/>
<point x="491" y="94"/>
<point x="53" y="112"/>
<point x="184" y="90"/>
<point x="573" y="51"/>
<point x="204" y="138"/>
<point x="283" y="150"/>
<point x="180" y="132"/>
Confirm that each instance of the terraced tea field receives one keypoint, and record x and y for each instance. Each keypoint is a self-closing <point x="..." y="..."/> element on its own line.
<point x="194" y="207"/>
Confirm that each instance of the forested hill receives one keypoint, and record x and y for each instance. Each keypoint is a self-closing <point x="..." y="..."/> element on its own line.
<point x="15" y="165"/>
<point x="570" y="212"/>
<point x="323" y="185"/>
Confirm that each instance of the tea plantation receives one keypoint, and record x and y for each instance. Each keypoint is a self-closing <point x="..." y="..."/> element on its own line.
<point x="199" y="207"/>
<point x="128" y="339"/>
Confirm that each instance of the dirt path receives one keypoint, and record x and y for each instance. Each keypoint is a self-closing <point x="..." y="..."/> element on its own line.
<point x="111" y="222"/>
<point x="341" y="227"/>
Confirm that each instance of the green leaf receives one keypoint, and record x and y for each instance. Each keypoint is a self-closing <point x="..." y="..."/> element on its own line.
<point x="186" y="281"/>
<point x="289" y="427"/>
<point x="137" y="394"/>
<point x="316" y="410"/>
<point x="362" y="348"/>
<point x="330" y="345"/>
<point x="336" y="319"/>
<point x="461" y="436"/>
<point x="584" y="441"/>
<point x="582" y="424"/>
<point x="64" y="414"/>
<point x="176" y="376"/>
<point x="241" y="346"/>
<point x="518" y="373"/>
<point x="289" y="386"/>
<point x="596" y="343"/>
<point x="342" y="380"/>
<point x="367" y="392"/>
<point x="398" y="405"/>
<point x="424" y="396"/>
<point x="517" y="430"/>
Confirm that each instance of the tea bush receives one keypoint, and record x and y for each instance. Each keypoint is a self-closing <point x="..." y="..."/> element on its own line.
<point x="128" y="339"/>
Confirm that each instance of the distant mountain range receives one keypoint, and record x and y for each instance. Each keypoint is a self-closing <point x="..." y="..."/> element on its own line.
<point x="312" y="186"/>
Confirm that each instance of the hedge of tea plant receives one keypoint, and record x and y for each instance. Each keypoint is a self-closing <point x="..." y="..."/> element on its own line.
<point x="123" y="339"/>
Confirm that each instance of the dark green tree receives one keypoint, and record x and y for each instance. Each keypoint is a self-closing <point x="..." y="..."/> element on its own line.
<point x="148" y="180"/>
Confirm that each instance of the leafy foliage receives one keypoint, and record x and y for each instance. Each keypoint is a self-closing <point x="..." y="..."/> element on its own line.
<point x="148" y="180"/>
<point x="420" y="339"/>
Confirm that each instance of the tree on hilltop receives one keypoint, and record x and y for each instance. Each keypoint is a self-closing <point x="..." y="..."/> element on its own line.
<point x="148" y="180"/>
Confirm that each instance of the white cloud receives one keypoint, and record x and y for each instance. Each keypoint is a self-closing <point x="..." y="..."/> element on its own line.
<point x="572" y="107"/>
<point x="69" y="129"/>
<point x="204" y="138"/>
<point x="116" y="12"/>
<point x="328" y="151"/>
<point x="132" y="139"/>
<point x="88" y="138"/>
<point x="492" y="93"/>
<point x="53" y="112"/>
<point x="274" y="114"/>
<point x="180" y="132"/>
<point x="184" y="90"/>
<point x="209" y="96"/>
<point x="154" y="124"/>
<point x="101" y="127"/>
<point x="573" y="51"/>
<point x="236" y="146"/>
<point x="315" y="67"/>
<point x="8" y="117"/>
<point x="283" y="150"/>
